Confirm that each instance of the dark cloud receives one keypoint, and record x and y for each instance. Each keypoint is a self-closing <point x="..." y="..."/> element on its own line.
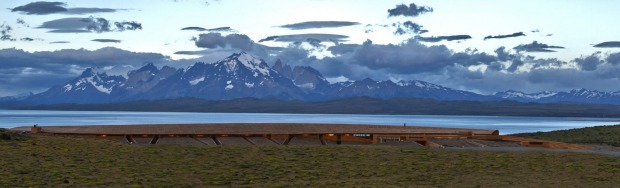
<point x="86" y="25"/>
<point x="216" y="40"/>
<point x="410" y="57"/>
<point x="89" y="10"/>
<point x="218" y="43"/>
<point x="613" y="59"/>
<point x="342" y="48"/>
<point x="21" y="21"/>
<point x="5" y="33"/>
<point x="194" y="29"/>
<point x="60" y="42"/>
<point x="468" y="70"/>
<point x="440" y="38"/>
<point x="43" y="8"/>
<point x="217" y="29"/>
<point x="408" y="27"/>
<point x="69" y="31"/>
<point x="305" y="37"/>
<point x="221" y="29"/>
<point x="517" y="34"/>
<point x="122" y="26"/>
<point x="200" y="52"/>
<point x="589" y="63"/>
<point x="27" y="39"/>
<point x="610" y="44"/>
<point x="314" y="42"/>
<point x="412" y="10"/>
<point x="536" y="47"/>
<point x="74" y="25"/>
<point x="107" y="40"/>
<point x="318" y="24"/>
<point x="22" y="71"/>
<point x="269" y="38"/>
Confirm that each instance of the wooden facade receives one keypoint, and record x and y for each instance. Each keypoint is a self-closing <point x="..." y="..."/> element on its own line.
<point x="293" y="134"/>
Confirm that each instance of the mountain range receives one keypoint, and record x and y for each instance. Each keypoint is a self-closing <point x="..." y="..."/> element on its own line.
<point x="242" y="75"/>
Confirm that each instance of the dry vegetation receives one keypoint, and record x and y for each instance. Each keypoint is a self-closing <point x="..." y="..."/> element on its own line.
<point x="87" y="162"/>
<point x="597" y="135"/>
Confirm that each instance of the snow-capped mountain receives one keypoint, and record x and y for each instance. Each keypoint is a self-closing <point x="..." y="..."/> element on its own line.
<point x="573" y="96"/>
<point x="401" y="89"/>
<point x="243" y="75"/>
<point x="237" y="76"/>
<point x="306" y="78"/>
<point x="524" y="97"/>
<point x="90" y="87"/>
<point x="21" y="96"/>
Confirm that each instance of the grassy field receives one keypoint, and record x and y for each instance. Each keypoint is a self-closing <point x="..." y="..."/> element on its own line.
<point x="87" y="162"/>
<point x="600" y="135"/>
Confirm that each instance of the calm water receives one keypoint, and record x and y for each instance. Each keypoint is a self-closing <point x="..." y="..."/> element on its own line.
<point x="506" y="125"/>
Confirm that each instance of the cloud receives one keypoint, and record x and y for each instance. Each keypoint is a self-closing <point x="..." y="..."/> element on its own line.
<point x="589" y="63"/>
<point x="193" y="28"/>
<point x="217" y="29"/>
<point x="469" y="70"/>
<point x="318" y="24"/>
<point x="60" y="42"/>
<point x="411" y="11"/>
<point x="221" y="29"/>
<point x="216" y="40"/>
<point x="77" y="25"/>
<point x="41" y="8"/>
<point x="269" y="38"/>
<point x="613" y="59"/>
<point x="382" y="62"/>
<point x="440" y="38"/>
<point x="5" y="33"/>
<point x="305" y="37"/>
<point x="408" y="27"/>
<point x="231" y="43"/>
<point x="536" y="47"/>
<point x="609" y="44"/>
<point x="122" y="26"/>
<point x="107" y="40"/>
<point x="44" y="8"/>
<point x="27" y="39"/>
<point x="22" y="71"/>
<point x="21" y="21"/>
<point x="89" y="10"/>
<point x="517" y="34"/>
<point x="342" y="48"/>
<point x="87" y="25"/>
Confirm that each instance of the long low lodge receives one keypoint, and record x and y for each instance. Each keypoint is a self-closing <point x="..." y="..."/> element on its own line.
<point x="297" y="134"/>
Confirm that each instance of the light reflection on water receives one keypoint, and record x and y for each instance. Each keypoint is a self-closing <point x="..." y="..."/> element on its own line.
<point x="506" y="125"/>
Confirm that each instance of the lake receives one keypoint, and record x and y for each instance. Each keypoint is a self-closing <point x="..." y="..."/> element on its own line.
<point x="506" y="125"/>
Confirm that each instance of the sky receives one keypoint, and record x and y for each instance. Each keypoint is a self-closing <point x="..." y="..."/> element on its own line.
<point x="482" y="46"/>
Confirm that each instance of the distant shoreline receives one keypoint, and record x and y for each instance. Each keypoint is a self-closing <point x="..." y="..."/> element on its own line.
<point x="358" y="105"/>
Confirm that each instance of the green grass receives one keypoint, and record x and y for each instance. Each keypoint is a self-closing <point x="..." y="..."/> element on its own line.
<point x="87" y="162"/>
<point x="601" y="135"/>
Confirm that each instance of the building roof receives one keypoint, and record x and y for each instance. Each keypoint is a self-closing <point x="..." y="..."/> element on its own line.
<point x="254" y="128"/>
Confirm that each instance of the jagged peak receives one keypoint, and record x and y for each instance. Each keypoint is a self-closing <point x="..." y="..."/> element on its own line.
<point x="278" y="64"/>
<point x="148" y="67"/>
<point x="88" y="72"/>
<point x="420" y="84"/>
<point x="280" y="67"/>
<point x="249" y="61"/>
